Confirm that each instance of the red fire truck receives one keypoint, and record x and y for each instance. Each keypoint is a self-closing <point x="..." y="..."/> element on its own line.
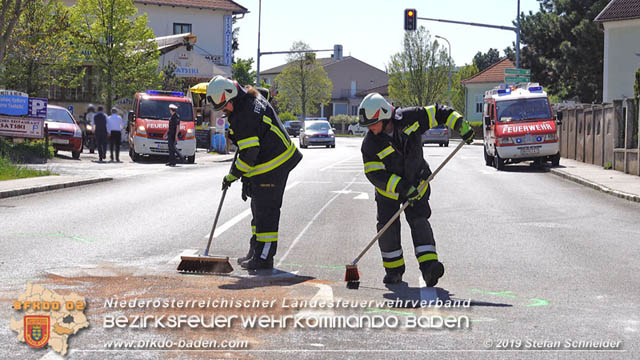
<point x="519" y="126"/>
<point x="149" y="123"/>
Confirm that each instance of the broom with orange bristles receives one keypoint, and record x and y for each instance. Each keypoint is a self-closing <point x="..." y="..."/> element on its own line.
<point x="352" y="275"/>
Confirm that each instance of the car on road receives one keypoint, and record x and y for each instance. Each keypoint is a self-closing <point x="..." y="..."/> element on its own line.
<point x="293" y="127"/>
<point x="317" y="132"/>
<point x="436" y="135"/>
<point x="357" y="129"/>
<point x="63" y="131"/>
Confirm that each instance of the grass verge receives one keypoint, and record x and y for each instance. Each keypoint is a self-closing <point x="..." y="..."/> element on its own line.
<point x="9" y="171"/>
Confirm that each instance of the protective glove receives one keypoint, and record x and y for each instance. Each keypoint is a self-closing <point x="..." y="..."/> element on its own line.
<point x="227" y="180"/>
<point x="412" y="195"/>
<point x="246" y="189"/>
<point x="466" y="132"/>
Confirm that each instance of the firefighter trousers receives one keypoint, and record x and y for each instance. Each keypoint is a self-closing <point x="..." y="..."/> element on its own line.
<point x="417" y="216"/>
<point x="266" y="192"/>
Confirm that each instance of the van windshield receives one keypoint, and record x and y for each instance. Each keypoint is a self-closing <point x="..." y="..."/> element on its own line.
<point x="523" y="109"/>
<point x="159" y="109"/>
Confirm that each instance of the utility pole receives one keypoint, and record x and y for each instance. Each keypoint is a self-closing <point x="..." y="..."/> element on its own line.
<point x="449" y="91"/>
<point x="258" y="62"/>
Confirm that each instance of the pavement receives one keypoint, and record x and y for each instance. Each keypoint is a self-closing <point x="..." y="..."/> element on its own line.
<point x="610" y="182"/>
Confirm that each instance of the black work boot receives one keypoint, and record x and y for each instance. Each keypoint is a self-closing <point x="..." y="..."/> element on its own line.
<point x="431" y="272"/>
<point x="392" y="278"/>
<point x="246" y="257"/>
<point x="257" y="264"/>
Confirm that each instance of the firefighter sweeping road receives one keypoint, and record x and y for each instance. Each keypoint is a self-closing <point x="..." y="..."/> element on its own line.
<point x="541" y="263"/>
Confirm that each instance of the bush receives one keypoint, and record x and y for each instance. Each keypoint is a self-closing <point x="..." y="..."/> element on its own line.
<point x="287" y="116"/>
<point x="343" y="119"/>
<point x="29" y="151"/>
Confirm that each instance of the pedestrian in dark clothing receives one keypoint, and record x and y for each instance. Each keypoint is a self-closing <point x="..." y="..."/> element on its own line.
<point x="174" y="124"/>
<point x="100" y="120"/>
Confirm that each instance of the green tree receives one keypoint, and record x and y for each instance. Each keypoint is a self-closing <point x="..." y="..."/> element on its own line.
<point x="10" y="11"/>
<point x="119" y="44"/>
<point x="303" y="84"/>
<point x="564" y="48"/>
<point x="242" y="72"/>
<point x="40" y="54"/>
<point x="170" y="81"/>
<point x="636" y="85"/>
<point x="458" y="98"/>
<point x="484" y="60"/>
<point x="418" y="75"/>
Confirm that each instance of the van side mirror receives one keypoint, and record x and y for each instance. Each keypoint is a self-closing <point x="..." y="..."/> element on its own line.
<point x="559" y="117"/>
<point x="487" y="122"/>
<point x="132" y="116"/>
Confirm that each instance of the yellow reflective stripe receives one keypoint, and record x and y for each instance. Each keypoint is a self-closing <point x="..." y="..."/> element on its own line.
<point x="231" y="131"/>
<point x="276" y="130"/>
<point x="393" y="264"/>
<point x="423" y="191"/>
<point x="253" y="230"/>
<point x="451" y="120"/>
<point x="386" y="152"/>
<point x="390" y="195"/>
<point x="373" y="166"/>
<point x="412" y="128"/>
<point x="272" y="164"/>
<point x="248" y="142"/>
<point x="427" y="257"/>
<point x="242" y="166"/>
<point x="393" y="183"/>
<point x="431" y="111"/>
<point x="267" y="237"/>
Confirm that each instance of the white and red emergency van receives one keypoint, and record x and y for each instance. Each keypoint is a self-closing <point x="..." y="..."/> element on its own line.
<point x="149" y="123"/>
<point x="519" y="126"/>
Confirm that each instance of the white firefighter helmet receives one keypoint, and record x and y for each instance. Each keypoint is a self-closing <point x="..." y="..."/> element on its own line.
<point x="220" y="91"/>
<point x="374" y="108"/>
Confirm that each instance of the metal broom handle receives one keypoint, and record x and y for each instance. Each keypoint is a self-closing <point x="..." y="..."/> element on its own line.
<point x="215" y="222"/>
<point x="404" y="206"/>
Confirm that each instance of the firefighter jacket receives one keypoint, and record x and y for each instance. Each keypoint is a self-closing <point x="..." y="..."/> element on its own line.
<point x="393" y="163"/>
<point x="262" y="141"/>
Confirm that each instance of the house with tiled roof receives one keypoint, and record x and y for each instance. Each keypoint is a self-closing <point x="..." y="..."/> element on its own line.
<point x="476" y="86"/>
<point x="351" y="78"/>
<point x="621" y="22"/>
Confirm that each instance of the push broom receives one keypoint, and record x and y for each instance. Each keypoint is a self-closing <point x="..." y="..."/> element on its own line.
<point x="352" y="275"/>
<point x="208" y="263"/>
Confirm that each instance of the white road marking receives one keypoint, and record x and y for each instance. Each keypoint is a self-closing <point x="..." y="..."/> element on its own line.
<point x="362" y="196"/>
<point x="334" y="164"/>
<point x="295" y="241"/>
<point x="236" y="219"/>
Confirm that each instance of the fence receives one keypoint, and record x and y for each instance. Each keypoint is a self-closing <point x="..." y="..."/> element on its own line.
<point x="602" y="134"/>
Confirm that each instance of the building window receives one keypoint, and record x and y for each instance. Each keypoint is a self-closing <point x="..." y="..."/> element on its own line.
<point x="354" y="109"/>
<point x="340" y="109"/>
<point x="479" y="100"/>
<point x="181" y="28"/>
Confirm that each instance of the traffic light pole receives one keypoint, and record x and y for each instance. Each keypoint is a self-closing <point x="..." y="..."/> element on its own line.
<point x="510" y="28"/>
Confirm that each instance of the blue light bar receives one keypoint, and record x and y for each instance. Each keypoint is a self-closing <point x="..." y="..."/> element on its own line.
<point x="504" y="91"/>
<point x="160" y="92"/>
<point x="535" y="89"/>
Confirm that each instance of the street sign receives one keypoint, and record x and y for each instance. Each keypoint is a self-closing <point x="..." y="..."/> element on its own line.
<point x="517" y="72"/>
<point x="450" y="92"/>
<point x="515" y="79"/>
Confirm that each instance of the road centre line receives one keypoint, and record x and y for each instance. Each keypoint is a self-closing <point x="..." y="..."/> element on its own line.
<point x="236" y="219"/>
<point x="295" y="241"/>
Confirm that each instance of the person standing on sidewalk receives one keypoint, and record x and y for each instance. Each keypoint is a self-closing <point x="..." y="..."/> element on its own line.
<point x="100" y="122"/>
<point x="174" y="124"/>
<point x="114" y="129"/>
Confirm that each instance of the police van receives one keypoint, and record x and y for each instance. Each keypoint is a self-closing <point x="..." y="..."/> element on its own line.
<point x="149" y="124"/>
<point x="519" y="126"/>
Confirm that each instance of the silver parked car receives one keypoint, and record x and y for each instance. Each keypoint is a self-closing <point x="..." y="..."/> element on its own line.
<point x="437" y="135"/>
<point x="317" y="132"/>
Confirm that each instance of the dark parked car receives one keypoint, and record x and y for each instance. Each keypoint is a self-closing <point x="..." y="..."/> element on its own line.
<point x="437" y="135"/>
<point x="293" y="127"/>
<point x="317" y="132"/>
<point x="64" y="131"/>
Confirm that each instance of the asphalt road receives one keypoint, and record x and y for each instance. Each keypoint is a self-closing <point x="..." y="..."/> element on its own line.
<point x="542" y="260"/>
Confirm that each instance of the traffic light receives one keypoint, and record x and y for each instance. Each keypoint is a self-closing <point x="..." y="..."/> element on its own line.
<point x="410" y="19"/>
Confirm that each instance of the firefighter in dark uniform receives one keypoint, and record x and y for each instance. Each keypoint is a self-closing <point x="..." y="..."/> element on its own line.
<point x="174" y="125"/>
<point x="266" y="155"/>
<point x="394" y="164"/>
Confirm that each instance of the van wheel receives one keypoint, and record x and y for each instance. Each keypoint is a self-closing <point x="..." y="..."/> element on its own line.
<point x="191" y="159"/>
<point x="132" y="154"/>
<point x="488" y="160"/>
<point x="76" y="154"/>
<point x="555" y="160"/>
<point x="498" y="162"/>
<point x="446" y="144"/>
